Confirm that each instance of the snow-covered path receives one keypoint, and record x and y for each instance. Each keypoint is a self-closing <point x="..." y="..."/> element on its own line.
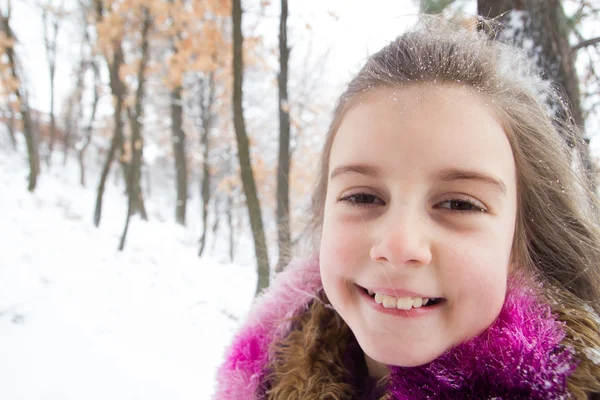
<point x="80" y="320"/>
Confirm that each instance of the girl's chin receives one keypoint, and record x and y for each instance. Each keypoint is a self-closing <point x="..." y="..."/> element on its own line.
<point x="381" y="360"/>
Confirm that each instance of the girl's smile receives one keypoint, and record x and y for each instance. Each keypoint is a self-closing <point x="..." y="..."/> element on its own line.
<point x="419" y="221"/>
<point x="401" y="304"/>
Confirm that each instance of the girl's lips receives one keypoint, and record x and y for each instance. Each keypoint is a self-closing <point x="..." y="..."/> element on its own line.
<point x="413" y="312"/>
<point x="397" y="292"/>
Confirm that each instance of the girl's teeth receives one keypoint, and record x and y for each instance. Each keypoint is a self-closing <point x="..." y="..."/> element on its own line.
<point x="403" y="303"/>
<point x="417" y="302"/>
<point x="389" y="302"/>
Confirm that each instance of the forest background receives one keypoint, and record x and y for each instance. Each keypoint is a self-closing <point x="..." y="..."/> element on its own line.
<point x="156" y="155"/>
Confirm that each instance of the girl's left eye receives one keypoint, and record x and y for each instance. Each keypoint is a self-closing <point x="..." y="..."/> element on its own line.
<point x="362" y="200"/>
<point x="461" y="205"/>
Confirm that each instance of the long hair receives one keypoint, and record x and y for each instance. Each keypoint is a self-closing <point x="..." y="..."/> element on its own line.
<point x="557" y="238"/>
<point x="308" y="363"/>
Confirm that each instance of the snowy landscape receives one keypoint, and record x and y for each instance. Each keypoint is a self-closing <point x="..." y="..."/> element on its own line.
<point x="81" y="320"/>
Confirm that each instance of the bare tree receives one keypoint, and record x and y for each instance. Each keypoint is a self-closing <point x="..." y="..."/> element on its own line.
<point x="587" y="53"/>
<point x="136" y="115"/>
<point x="28" y="131"/>
<point x="74" y="105"/>
<point x="135" y="197"/>
<point x="118" y="90"/>
<point x="177" y="133"/>
<point x="74" y="109"/>
<point x="215" y="225"/>
<point x="207" y="96"/>
<point x="10" y="126"/>
<point x="545" y="23"/>
<point x="230" y="208"/>
<point x="51" y="18"/>
<point x="247" y="175"/>
<point x="283" y="170"/>
<point x="179" y="154"/>
<point x="88" y="129"/>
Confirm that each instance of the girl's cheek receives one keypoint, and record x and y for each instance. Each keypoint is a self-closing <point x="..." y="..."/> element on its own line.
<point x="480" y="266"/>
<point x="342" y="245"/>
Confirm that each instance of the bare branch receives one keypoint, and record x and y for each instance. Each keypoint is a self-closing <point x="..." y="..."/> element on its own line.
<point x="586" y="43"/>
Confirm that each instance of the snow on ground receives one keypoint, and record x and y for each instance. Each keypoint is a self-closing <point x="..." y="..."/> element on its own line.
<point x="80" y="320"/>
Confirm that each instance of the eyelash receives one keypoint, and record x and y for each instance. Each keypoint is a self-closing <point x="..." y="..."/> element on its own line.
<point x="473" y="207"/>
<point x="351" y="199"/>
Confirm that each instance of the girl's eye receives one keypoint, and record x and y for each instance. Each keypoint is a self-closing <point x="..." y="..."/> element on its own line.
<point x="461" y="205"/>
<point x="362" y="200"/>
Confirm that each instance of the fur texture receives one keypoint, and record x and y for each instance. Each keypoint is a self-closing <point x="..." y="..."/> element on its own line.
<point x="243" y="372"/>
<point x="518" y="357"/>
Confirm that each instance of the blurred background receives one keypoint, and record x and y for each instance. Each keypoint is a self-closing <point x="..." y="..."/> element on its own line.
<point x="156" y="165"/>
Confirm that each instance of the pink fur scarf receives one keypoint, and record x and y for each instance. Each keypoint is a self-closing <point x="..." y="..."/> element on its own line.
<point x="518" y="357"/>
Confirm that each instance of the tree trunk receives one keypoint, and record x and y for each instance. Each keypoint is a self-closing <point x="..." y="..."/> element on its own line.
<point x="116" y="143"/>
<point x="28" y="131"/>
<point x="10" y="128"/>
<point x="207" y="94"/>
<point x="32" y="145"/>
<point x="247" y="175"/>
<point x="68" y="127"/>
<point x="546" y="24"/>
<point x="215" y="225"/>
<point x="127" y="219"/>
<point x="179" y="154"/>
<point x="75" y="105"/>
<point x="52" y="118"/>
<point x="135" y="123"/>
<point x="283" y="171"/>
<point x="50" y="45"/>
<point x="148" y="180"/>
<point x="117" y="88"/>
<point x="88" y="129"/>
<point x="496" y="8"/>
<point x="135" y="198"/>
<point x="178" y="139"/>
<point x="231" y="228"/>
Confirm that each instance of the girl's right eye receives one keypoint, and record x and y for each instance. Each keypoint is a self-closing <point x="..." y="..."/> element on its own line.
<point x="362" y="200"/>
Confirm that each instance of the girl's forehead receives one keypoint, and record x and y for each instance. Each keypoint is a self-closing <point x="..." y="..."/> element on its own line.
<point x="446" y="126"/>
<point x="418" y="95"/>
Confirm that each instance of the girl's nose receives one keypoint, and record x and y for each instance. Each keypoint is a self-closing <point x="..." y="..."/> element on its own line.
<point x="401" y="242"/>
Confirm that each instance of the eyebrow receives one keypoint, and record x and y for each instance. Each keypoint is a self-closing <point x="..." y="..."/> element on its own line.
<point x="453" y="174"/>
<point x="363" y="169"/>
<point x="445" y="175"/>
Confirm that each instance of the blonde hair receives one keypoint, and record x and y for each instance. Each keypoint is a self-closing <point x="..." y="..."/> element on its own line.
<point x="557" y="238"/>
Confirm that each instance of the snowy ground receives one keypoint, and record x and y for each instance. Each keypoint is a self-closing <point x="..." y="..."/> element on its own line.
<point x="80" y="320"/>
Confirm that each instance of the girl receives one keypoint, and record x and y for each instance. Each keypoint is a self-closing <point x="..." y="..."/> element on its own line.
<point x="459" y="252"/>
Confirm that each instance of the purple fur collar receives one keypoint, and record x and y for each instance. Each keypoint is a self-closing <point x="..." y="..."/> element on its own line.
<point x="518" y="357"/>
<point x="242" y="374"/>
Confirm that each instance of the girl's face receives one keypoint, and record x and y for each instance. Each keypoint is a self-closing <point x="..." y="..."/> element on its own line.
<point x="418" y="222"/>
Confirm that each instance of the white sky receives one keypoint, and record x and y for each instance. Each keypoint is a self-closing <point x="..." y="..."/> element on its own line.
<point x="362" y="27"/>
